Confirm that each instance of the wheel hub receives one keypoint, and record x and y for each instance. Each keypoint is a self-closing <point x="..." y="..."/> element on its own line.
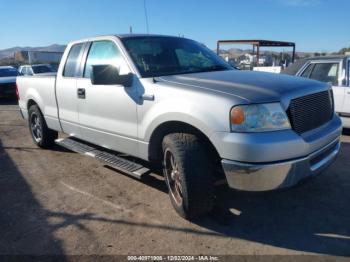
<point x="35" y="126"/>
<point x="172" y="176"/>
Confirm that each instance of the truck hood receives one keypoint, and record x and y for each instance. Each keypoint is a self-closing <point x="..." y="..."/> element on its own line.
<point x="7" y="80"/>
<point x="253" y="87"/>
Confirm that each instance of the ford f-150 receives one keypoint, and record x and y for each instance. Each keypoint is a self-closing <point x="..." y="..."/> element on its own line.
<point x="173" y="102"/>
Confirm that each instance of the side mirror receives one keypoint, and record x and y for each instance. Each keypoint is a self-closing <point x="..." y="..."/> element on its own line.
<point x="109" y="75"/>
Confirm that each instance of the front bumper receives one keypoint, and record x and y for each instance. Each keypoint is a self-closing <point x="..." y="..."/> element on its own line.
<point x="269" y="176"/>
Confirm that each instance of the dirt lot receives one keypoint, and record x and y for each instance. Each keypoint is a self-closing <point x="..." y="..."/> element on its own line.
<point x="58" y="202"/>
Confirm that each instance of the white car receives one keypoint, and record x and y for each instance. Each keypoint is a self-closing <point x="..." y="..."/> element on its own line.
<point x="29" y="70"/>
<point x="334" y="70"/>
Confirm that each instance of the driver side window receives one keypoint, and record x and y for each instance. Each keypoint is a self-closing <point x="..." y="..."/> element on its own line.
<point x="326" y="72"/>
<point x="105" y="53"/>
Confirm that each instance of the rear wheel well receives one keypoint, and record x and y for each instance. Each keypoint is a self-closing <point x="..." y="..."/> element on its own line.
<point x="155" y="144"/>
<point x="30" y="103"/>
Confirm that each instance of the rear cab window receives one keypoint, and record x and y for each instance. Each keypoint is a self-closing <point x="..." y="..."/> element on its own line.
<point x="73" y="60"/>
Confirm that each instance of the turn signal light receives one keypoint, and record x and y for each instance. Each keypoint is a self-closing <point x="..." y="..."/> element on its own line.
<point x="237" y="116"/>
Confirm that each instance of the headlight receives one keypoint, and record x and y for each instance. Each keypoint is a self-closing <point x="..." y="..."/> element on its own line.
<point x="259" y="118"/>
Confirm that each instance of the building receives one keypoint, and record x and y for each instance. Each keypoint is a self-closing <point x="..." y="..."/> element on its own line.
<point x="36" y="57"/>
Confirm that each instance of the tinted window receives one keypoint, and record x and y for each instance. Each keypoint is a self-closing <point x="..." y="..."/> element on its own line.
<point x="25" y="70"/>
<point x="72" y="63"/>
<point x="307" y="71"/>
<point x="157" y="56"/>
<point x="4" y="72"/>
<point x="326" y="72"/>
<point x="39" y="69"/>
<point x="105" y="53"/>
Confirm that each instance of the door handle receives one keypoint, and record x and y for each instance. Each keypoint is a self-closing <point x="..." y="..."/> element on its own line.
<point x="81" y="93"/>
<point x="147" y="97"/>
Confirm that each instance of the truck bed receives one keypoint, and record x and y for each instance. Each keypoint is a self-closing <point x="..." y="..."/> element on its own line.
<point x="29" y="88"/>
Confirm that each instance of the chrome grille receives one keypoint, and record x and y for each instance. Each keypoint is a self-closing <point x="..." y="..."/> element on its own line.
<point x="311" y="111"/>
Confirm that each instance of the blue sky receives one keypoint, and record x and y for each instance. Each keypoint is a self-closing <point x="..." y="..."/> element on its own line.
<point x="315" y="25"/>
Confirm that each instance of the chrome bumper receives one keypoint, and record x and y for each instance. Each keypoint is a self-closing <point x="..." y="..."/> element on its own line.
<point x="269" y="176"/>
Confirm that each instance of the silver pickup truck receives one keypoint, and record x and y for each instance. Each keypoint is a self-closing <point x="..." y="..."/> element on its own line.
<point x="173" y="102"/>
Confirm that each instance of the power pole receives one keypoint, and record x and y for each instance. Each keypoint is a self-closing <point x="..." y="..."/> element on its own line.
<point x="29" y="58"/>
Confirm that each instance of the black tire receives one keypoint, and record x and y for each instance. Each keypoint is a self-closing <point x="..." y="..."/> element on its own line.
<point x="193" y="174"/>
<point x="41" y="134"/>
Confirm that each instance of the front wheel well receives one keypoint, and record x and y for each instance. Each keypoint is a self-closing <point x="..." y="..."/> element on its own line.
<point x="155" y="143"/>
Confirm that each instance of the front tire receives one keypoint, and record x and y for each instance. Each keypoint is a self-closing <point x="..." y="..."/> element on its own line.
<point x="187" y="171"/>
<point x="41" y="134"/>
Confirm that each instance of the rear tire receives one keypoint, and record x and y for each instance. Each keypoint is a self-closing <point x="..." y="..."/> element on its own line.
<point x="187" y="171"/>
<point x="42" y="136"/>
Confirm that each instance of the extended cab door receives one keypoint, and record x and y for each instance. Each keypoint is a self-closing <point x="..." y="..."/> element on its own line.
<point x="66" y="91"/>
<point x="108" y="113"/>
<point x="327" y="71"/>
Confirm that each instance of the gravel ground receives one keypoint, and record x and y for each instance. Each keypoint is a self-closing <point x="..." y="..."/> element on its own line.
<point x="59" y="202"/>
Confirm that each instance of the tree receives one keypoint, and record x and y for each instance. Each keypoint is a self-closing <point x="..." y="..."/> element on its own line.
<point x="344" y="50"/>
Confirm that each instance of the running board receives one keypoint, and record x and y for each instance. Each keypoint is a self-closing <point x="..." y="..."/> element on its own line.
<point x="121" y="164"/>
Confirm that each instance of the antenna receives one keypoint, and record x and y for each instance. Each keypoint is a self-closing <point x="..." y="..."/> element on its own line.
<point x="146" y="16"/>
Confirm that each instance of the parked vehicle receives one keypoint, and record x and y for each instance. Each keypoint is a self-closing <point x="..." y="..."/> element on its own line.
<point x="8" y="75"/>
<point x="29" y="70"/>
<point x="175" y="103"/>
<point x="330" y="69"/>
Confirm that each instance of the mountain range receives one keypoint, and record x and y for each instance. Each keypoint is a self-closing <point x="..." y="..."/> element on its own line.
<point x="9" y="52"/>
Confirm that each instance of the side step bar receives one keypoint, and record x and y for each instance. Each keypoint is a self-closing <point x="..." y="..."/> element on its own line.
<point x="121" y="164"/>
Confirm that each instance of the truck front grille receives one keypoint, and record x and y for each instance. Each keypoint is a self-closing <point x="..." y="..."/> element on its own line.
<point x="311" y="111"/>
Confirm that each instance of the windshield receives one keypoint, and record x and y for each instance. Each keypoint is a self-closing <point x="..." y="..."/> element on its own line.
<point x="5" y="72"/>
<point x="158" y="56"/>
<point x="42" y="69"/>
